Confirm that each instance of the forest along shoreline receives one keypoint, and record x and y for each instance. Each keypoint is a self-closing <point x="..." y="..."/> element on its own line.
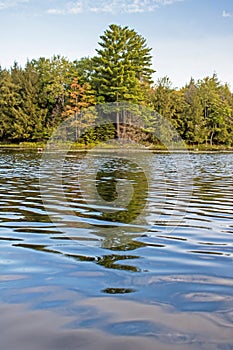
<point x="37" y="98"/>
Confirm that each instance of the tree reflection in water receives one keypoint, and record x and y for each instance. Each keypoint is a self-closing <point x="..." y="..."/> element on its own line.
<point x="107" y="261"/>
<point x="121" y="173"/>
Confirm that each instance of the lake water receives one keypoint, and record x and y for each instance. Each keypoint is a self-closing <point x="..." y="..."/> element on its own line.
<point x="155" y="274"/>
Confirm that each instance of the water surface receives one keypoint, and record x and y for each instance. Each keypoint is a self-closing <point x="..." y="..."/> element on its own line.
<point x="155" y="276"/>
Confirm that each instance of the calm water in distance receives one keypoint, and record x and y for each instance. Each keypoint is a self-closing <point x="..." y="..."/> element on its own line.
<point x="157" y="275"/>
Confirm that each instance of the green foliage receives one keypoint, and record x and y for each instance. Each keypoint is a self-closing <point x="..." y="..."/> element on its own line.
<point x="37" y="98"/>
<point x="201" y="111"/>
<point x="122" y="65"/>
<point x="84" y="69"/>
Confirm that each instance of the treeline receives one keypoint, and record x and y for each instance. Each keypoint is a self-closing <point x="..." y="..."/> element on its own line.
<point x="36" y="98"/>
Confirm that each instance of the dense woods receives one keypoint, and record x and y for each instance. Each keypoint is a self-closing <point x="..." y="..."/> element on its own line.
<point x="36" y="98"/>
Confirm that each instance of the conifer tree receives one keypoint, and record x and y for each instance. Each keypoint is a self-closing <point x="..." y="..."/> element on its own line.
<point x="122" y="65"/>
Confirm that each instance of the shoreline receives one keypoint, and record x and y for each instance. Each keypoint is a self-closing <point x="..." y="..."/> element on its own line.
<point x="40" y="147"/>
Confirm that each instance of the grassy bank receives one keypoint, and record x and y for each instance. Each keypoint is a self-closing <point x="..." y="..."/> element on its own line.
<point x="77" y="146"/>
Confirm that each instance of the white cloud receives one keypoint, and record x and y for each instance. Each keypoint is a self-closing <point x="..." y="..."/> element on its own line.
<point x="7" y="4"/>
<point x="75" y="7"/>
<point x="54" y="12"/>
<point x="111" y="6"/>
<point x="227" y="14"/>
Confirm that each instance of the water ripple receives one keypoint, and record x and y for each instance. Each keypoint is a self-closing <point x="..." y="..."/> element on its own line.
<point x="178" y="252"/>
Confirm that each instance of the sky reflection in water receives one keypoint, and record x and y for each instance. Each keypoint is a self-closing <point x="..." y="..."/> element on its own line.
<point x="101" y="284"/>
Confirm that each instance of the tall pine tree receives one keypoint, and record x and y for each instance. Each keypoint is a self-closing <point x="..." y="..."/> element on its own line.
<point x="122" y="65"/>
<point x="122" y="68"/>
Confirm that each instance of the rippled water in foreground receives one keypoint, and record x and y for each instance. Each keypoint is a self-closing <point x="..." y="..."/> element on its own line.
<point x="74" y="276"/>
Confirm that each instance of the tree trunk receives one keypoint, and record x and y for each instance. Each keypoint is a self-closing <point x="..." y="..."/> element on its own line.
<point x="118" y="121"/>
<point x="211" y="138"/>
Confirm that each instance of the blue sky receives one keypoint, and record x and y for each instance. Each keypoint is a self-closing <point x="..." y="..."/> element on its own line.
<point x="188" y="37"/>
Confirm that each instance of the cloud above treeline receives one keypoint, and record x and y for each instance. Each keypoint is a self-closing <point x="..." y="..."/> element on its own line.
<point x="227" y="14"/>
<point x="109" y="6"/>
<point x="7" y="4"/>
<point x="69" y="7"/>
